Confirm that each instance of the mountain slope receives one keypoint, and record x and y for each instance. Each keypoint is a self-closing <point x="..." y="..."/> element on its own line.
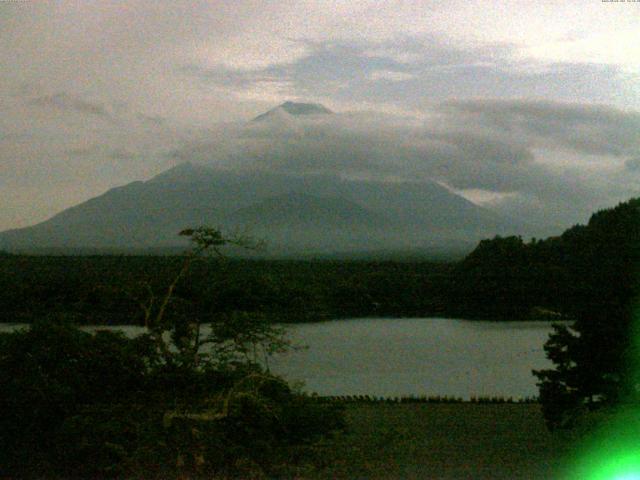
<point x="300" y="209"/>
<point x="323" y="213"/>
<point x="295" y="109"/>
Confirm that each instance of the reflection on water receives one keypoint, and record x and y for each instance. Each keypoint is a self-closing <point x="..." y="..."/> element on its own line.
<point x="430" y="356"/>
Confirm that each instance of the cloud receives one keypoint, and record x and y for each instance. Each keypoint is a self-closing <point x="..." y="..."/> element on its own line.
<point x="633" y="165"/>
<point x="415" y="72"/>
<point x="390" y="75"/>
<point x="100" y="151"/>
<point x="400" y="54"/>
<point x="513" y="153"/>
<point x="154" y="120"/>
<point x="619" y="47"/>
<point x="250" y="53"/>
<point x="59" y="149"/>
<point x="71" y="103"/>
<point x="588" y="129"/>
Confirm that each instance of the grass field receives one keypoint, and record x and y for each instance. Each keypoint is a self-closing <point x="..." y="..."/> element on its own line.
<point x="443" y="441"/>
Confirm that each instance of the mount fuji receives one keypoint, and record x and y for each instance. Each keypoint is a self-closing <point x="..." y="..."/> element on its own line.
<point x="297" y="214"/>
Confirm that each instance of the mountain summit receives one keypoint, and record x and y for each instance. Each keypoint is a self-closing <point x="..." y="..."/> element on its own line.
<point x="295" y="109"/>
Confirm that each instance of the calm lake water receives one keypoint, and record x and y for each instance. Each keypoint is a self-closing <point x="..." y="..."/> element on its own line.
<point x="428" y="356"/>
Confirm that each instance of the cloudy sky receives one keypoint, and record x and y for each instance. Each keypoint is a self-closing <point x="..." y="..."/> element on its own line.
<point x="531" y="108"/>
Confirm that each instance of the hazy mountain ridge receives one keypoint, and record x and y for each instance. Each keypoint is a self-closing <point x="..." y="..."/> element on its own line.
<point x="300" y="209"/>
<point x="294" y="213"/>
<point x="295" y="109"/>
<point x="298" y="212"/>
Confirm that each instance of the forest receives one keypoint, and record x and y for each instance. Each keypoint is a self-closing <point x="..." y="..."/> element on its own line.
<point x="504" y="278"/>
<point x="106" y="289"/>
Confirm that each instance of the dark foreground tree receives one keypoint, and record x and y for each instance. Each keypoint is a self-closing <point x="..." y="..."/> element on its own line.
<point x="596" y="361"/>
<point x="171" y="403"/>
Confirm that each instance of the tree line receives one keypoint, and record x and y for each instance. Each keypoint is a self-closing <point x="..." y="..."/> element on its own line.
<point x="504" y="278"/>
<point x="107" y="289"/>
<point x="591" y="275"/>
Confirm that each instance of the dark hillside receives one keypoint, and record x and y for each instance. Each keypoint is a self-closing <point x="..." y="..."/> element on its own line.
<point x="588" y="269"/>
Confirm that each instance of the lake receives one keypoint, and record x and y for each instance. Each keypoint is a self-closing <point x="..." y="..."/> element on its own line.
<point x="413" y="356"/>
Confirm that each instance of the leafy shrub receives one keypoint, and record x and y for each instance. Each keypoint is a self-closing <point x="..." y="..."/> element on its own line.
<point x="48" y="374"/>
<point x="80" y="405"/>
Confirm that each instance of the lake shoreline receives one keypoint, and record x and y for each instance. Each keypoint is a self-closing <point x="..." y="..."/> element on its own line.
<point x="405" y="357"/>
<point x="563" y="321"/>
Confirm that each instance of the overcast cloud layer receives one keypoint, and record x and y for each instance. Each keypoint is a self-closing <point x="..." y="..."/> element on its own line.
<point x="530" y="107"/>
